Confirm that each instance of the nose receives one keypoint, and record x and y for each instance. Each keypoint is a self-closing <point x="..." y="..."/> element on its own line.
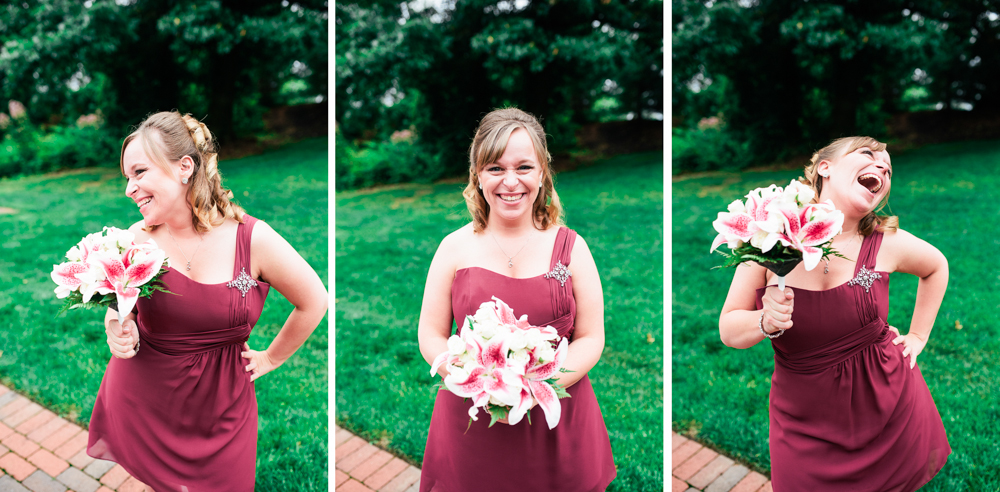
<point x="510" y="180"/>
<point x="131" y="188"/>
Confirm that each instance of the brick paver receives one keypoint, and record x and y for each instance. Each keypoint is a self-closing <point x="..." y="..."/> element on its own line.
<point x="362" y="467"/>
<point x="48" y="453"/>
<point x="697" y="468"/>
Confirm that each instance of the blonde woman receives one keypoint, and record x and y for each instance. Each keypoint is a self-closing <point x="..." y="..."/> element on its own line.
<point x="177" y="407"/>
<point x="849" y="407"/>
<point x="516" y="249"/>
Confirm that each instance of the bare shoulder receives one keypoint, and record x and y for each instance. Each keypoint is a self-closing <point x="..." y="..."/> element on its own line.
<point x="455" y="244"/>
<point x="140" y="234"/>
<point x="907" y="253"/>
<point x="581" y="249"/>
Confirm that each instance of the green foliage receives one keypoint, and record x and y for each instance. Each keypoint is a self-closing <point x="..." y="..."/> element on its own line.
<point x="381" y="162"/>
<point x="941" y="194"/>
<point x="29" y="149"/>
<point x="385" y="241"/>
<point x="66" y="58"/>
<point x="60" y="361"/>
<point x="795" y="75"/>
<point x="708" y="149"/>
<point x="556" y="60"/>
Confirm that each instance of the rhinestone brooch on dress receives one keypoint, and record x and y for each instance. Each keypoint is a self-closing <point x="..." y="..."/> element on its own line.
<point x="243" y="282"/>
<point x="864" y="278"/>
<point x="560" y="273"/>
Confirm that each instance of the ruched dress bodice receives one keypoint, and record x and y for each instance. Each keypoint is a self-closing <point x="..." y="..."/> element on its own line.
<point x="846" y="411"/>
<point x="182" y="413"/>
<point x="575" y="456"/>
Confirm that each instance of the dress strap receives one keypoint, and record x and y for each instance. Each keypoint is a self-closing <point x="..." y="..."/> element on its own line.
<point x="864" y="276"/>
<point x="243" y="234"/>
<point x="563" y="249"/>
<point x="869" y="252"/>
<point x="560" y="280"/>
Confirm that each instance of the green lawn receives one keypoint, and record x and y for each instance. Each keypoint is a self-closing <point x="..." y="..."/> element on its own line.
<point x="945" y="194"/>
<point x="59" y="361"/>
<point x="385" y="241"/>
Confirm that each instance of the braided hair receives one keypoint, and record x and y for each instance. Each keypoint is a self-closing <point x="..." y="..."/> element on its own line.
<point x="183" y="135"/>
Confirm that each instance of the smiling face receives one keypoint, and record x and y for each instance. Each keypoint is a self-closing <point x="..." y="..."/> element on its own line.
<point x="158" y="192"/>
<point x="858" y="181"/>
<point x="511" y="184"/>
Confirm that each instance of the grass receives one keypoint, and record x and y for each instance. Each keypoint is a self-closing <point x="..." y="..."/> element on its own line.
<point x="944" y="194"/>
<point x="59" y="361"/>
<point x="385" y="241"/>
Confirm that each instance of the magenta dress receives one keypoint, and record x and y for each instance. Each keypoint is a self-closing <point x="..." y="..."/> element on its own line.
<point x="182" y="415"/>
<point x="847" y="412"/>
<point x="575" y="456"/>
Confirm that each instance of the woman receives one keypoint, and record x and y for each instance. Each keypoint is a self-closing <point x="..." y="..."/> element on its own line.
<point x="849" y="407"/>
<point x="177" y="407"/>
<point x="515" y="249"/>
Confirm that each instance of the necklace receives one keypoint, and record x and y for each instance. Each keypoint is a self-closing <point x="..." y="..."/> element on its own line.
<point x="182" y="251"/>
<point x="826" y="269"/>
<point x="510" y="259"/>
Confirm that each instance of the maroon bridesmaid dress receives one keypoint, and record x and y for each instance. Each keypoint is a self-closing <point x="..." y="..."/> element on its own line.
<point x="182" y="415"/>
<point x="847" y="413"/>
<point x="575" y="456"/>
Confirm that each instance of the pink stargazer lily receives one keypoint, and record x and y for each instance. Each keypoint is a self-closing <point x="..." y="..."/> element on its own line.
<point x="65" y="277"/>
<point x="492" y="377"/>
<point x="536" y="387"/>
<point x="125" y="274"/>
<point x="808" y="227"/>
<point x="743" y="221"/>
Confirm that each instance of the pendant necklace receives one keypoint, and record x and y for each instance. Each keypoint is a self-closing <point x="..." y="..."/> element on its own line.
<point x="826" y="269"/>
<point x="510" y="259"/>
<point x="182" y="250"/>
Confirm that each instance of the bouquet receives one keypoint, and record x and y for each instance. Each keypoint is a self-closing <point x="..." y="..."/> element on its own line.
<point x="505" y="365"/>
<point x="778" y="228"/>
<point x="107" y="269"/>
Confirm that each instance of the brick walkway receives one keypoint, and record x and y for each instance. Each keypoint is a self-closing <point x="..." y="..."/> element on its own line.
<point x="41" y="452"/>
<point x="697" y="468"/>
<point x="362" y="467"/>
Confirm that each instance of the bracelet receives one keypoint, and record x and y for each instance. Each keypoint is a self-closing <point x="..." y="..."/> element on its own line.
<point x="760" y="324"/>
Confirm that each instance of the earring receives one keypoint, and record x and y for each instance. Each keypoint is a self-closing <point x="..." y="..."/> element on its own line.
<point x="184" y="180"/>
<point x="825" y="175"/>
<point x="480" y="185"/>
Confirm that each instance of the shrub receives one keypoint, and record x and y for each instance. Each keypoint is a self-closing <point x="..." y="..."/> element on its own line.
<point x="708" y="148"/>
<point x="403" y="158"/>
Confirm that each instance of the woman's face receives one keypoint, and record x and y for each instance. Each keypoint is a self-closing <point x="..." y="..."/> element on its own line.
<point x="511" y="184"/>
<point x="858" y="181"/>
<point x="158" y="194"/>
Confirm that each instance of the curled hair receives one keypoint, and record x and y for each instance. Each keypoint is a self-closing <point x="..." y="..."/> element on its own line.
<point x="489" y="144"/>
<point x="873" y="221"/>
<point x="183" y="135"/>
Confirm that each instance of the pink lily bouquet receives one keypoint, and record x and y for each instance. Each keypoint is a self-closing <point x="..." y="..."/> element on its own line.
<point x="107" y="269"/>
<point x="505" y="365"/>
<point x="778" y="228"/>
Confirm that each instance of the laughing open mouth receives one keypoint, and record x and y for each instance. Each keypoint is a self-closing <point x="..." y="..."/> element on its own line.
<point x="871" y="181"/>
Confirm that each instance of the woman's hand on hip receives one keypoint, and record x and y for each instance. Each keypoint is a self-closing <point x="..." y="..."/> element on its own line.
<point x="778" y="307"/>
<point x="912" y="344"/>
<point x="123" y="340"/>
<point x="260" y="363"/>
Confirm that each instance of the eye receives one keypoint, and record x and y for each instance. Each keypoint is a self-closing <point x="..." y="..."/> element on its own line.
<point x="525" y="167"/>
<point x="493" y="169"/>
<point x="869" y="152"/>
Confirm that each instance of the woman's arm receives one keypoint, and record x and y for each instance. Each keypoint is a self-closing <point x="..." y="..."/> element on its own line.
<point x="917" y="257"/>
<point x="434" y="326"/>
<point x="588" y="334"/>
<point x="282" y="267"/>
<point x="740" y="320"/>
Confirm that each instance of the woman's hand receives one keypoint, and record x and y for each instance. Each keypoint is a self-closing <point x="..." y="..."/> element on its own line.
<point x="912" y="344"/>
<point x="778" y="308"/>
<point x="123" y="340"/>
<point x="260" y="364"/>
